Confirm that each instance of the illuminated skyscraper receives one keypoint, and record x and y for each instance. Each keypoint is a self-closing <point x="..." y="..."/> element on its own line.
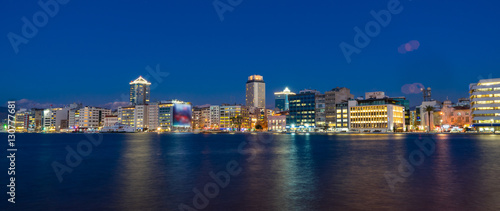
<point x="281" y="99"/>
<point x="256" y="91"/>
<point x="139" y="91"/>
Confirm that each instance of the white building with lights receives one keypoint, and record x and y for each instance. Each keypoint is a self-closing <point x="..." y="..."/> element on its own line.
<point x="485" y="105"/>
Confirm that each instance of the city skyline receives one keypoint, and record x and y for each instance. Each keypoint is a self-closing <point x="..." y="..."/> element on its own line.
<point x="250" y="105"/>
<point x="302" y="53"/>
<point x="414" y="98"/>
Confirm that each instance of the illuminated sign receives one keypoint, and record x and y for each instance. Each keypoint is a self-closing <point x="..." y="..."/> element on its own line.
<point x="182" y="115"/>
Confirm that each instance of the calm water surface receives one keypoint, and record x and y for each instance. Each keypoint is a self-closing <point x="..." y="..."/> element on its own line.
<point x="277" y="172"/>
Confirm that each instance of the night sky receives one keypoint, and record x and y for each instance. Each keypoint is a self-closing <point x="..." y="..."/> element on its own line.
<point x="89" y="51"/>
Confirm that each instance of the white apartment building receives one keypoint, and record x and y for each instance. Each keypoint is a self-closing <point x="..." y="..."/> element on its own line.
<point x="214" y="116"/>
<point x="141" y="117"/>
<point x="73" y="118"/>
<point x="92" y="117"/>
<point x="485" y="105"/>
<point x="153" y="110"/>
<point x="49" y="119"/>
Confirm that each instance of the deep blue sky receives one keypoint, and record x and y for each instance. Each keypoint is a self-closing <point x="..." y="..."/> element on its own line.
<point x="89" y="51"/>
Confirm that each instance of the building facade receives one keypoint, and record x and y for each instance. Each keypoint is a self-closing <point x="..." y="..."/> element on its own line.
<point x="92" y="118"/>
<point x="167" y="116"/>
<point x="73" y="118"/>
<point x="377" y="118"/>
<point x="196" y="120"/>
<point x="141" y="117"/>
<point x="485" y="105"/>
<point x="302" y="110"/>
<point x="205" y="118"/>
<point x="332" y="98"/>
<point x="140" y="91"/>
<point x="281" y="100"/>
<point x="319" y="114"/>
<point x="228" y="113"/>
<point x="153" y="117"/>
<point x="214" y="116"/>
<point x="126" y="116"/>
<point x="256" y="91"/>
<point x="110" y="120"/>
<point x="276" y="123"/>
<point x="342" y="118"/>
<point x="50" y="119"/>
<point x="456" y="116"/>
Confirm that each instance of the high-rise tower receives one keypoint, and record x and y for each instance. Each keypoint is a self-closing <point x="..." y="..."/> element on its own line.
<point x="256" y="91"/>
<point x="139" y="91"/>
<point x="281" y="99"/>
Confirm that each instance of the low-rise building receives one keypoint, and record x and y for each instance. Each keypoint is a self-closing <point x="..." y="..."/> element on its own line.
<point x="428" y="120"/>
<point x="110" y="120"/>
<point x="456" y="116"/>
<point x="376" y="118"/>
<point x="276" y="123"/>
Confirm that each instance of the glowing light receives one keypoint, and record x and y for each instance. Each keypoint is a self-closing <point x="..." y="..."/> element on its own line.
<point x="140" y="80"/>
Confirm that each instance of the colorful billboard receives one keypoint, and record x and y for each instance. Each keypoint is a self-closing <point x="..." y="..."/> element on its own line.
<point x="182" y="115"/>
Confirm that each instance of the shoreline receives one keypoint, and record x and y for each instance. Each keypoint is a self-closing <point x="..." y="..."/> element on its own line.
<point x="276" y="133"/>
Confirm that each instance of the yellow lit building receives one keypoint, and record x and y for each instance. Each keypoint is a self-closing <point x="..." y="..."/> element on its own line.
<point x="165" y="114"/>
<point x="227" y="112"/>
<point x="126" y="116"/>
<point x="20" y="120"/>
<point x="382" y="118"/>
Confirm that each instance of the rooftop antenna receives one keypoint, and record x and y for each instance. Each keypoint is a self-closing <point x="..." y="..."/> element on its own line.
<point x="426" y="94"/>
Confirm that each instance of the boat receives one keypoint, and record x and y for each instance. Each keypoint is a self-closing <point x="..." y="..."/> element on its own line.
<point x="118" y="128"/>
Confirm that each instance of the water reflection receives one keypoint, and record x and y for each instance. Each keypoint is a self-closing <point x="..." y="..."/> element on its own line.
<point x="302" y="172"/>
<point x="138" y="173"/>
